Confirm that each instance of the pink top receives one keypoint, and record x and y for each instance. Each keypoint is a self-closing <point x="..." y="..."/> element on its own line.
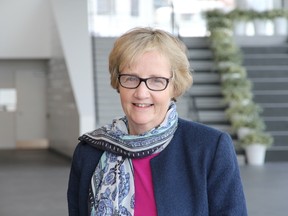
<point x="144" y="192"/>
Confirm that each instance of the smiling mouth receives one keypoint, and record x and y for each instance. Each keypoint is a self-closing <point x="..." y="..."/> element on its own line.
<point x="142" y="105"/>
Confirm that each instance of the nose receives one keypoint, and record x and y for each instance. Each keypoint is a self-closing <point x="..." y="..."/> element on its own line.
<point x="141" y="91"/>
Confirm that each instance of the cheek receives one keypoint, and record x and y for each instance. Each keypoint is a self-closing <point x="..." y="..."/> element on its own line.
<point x="172" y="92"/>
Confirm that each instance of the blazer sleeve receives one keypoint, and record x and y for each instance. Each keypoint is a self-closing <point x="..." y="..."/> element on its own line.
<point x="74" y="183"/>
<point x="225" y="190"/>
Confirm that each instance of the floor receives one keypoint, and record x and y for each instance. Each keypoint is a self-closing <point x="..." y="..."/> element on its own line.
<point x="34" y="182"/>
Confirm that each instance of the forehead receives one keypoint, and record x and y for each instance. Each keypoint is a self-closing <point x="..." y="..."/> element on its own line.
<point x="150" y="63"/>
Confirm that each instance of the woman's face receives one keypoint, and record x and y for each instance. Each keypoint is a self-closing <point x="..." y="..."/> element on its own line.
<point x="144" y="108"/>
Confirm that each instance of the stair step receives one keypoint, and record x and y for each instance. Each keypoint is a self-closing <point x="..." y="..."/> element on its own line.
<point x="274" y="105"/>
<point x="259" y="97"/>
<point x="273" y="84"/>
<point x="212" y="116"/>
<point x="195" y="42"/>
<point x="279" y="73"/>
<point x="259" y="41"/>
<point x="277" y="154"/>
<point x="271" y="92"/>
<point x="262" y="55"/>
<point x="272" y="79"/>
<point x="203" y="54"/>
<point x="209" y="103"/>
<point x="280" y="138"/>
<point x="265" y="59"/>
<point x="202" y="65"/>
<point x="276" y="123"/>
<point x="266" y="68"/>
<point x="275" y="111"/>
<point x="206" y="77"/>
<point x="205" y="90"/>
<point x="280" y="48"/>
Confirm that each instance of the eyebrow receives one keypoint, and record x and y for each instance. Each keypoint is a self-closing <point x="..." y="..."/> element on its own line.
<point x="134" y="74"/>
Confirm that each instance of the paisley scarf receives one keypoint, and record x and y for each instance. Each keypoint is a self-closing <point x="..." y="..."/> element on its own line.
<point x="112" y="184"/>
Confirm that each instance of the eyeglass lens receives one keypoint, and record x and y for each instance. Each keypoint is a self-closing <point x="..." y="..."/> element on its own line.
<point x="152" y="83"/>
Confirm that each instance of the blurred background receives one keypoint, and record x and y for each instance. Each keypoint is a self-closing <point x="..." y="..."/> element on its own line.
<point x="54" y="86"/>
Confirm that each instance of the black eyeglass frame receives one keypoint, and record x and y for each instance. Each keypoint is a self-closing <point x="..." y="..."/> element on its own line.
<point x="143" y="80"/>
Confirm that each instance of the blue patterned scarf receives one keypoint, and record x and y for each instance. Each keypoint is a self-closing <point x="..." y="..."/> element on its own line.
<point x="112" y="184"/>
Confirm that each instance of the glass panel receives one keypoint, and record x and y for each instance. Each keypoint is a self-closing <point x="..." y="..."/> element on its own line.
<point x="181" y="17"/>
<point x="8" y="100"/>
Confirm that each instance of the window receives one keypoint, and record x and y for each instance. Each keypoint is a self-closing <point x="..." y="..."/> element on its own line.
<point x="106" y="7"/>
<point x="134" y="7"/>
<point x="8" y="100"/>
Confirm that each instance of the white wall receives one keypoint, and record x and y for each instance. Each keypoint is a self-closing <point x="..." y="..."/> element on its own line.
<point x="72" y="23"/>
<point x="26" y="126"/>
<point x="25" y="31"/>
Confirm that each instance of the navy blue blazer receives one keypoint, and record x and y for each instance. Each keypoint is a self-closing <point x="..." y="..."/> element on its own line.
<point x="196" y="174"/>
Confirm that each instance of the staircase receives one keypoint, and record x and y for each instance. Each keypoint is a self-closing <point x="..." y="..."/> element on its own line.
<point x="267" y="67"/>
<point x="205" y="98"/>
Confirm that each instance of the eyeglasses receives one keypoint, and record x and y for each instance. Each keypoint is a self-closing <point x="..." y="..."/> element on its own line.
<point x="152" y="83"/>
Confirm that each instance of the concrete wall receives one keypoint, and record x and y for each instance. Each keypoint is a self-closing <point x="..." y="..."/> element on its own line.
<point x="108" y="100"/>
<point x="25" y="31"/>
<point x="72" y="110"/>
<point x="56" y="31"/>
<point x="71" y="19"/>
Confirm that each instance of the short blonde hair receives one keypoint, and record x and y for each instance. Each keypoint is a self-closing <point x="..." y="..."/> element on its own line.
<point x="138" y="41"/>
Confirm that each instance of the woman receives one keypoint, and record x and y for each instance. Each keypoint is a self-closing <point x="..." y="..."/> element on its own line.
<point x="150" y="162"/>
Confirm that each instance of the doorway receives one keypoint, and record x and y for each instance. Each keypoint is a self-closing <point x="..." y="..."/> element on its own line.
<point x="22" y="104"/>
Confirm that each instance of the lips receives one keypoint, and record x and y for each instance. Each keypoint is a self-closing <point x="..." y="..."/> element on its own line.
<point x="142" y="105"/>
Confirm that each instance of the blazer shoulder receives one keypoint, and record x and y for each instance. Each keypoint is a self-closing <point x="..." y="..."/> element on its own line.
<point x="200" y="128"/>
<point x="86" y="152"/>
<point x="200" y="136"/>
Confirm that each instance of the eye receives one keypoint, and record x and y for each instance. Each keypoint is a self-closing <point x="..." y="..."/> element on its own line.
<point x="128" y="78"/>
<point x="132" y="78"/>
<point x="158" y="81"/>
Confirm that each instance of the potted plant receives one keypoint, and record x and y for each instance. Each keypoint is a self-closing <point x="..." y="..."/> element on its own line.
<point x="260" y="20"/>
<point x="240" y="18"/>
<point x="247" y="124"/>
<point x="217" y="19"/>
<point x="236" y="84"/>
<point x="279" y="19"/>
<point x="230" y="70"/>
<point x="220" y="36"/>
<point x="216" y="13"/>
<point x="227" y="52"/>
<point x="236" y="95"/>
<point x="239" y="110"/>
<point x="255" y="145"/>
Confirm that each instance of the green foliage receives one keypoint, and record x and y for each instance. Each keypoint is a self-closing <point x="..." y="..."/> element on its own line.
<point x="240" y="109"/>
<point x="254" y="122"/>
<point x="231" y="70"/>
<point x="276" y="13"/>
<point x="257" y="137"/>
<point x="235" y="87"/>
<point x="236" y="84"/>
<point x="236" y="95"/>
<point x="248" y="15"/>
<point x="239" y="14"/>
<point x="216" y="13"/>
<point x="215" y="23"/>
